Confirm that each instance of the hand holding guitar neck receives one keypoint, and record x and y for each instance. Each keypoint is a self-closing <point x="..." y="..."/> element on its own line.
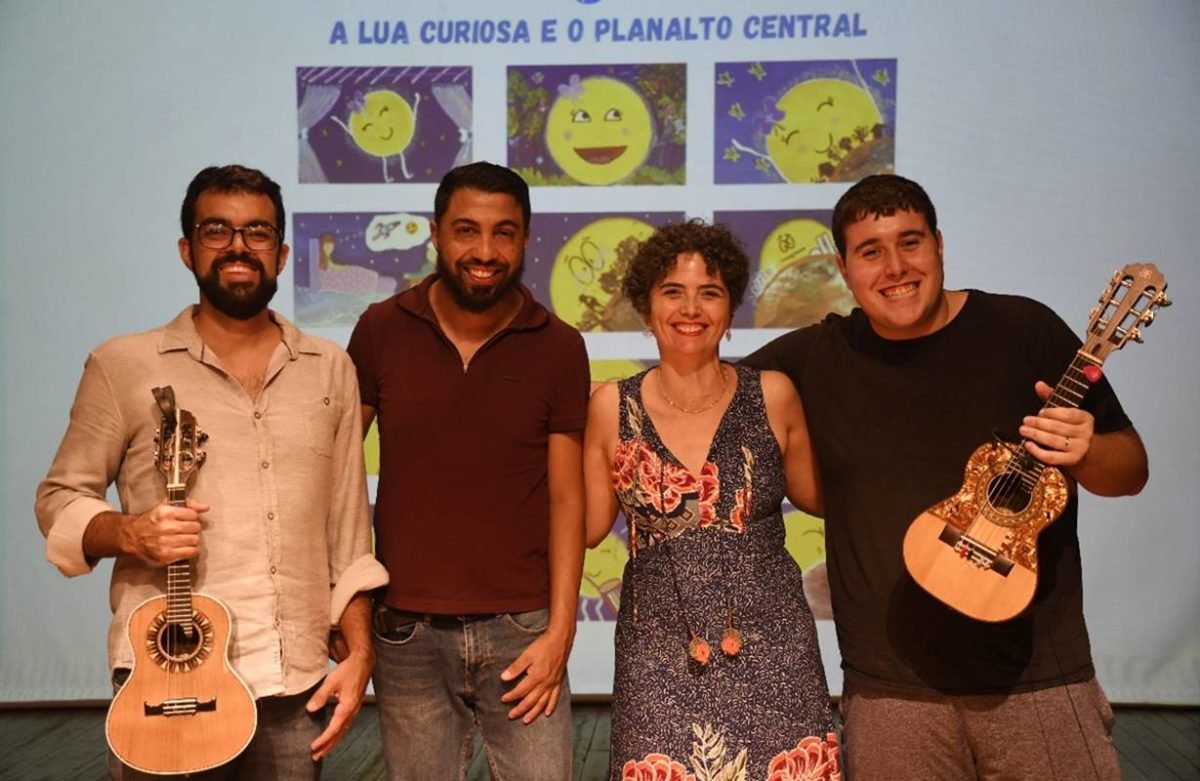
<point x="1058" y="436"/>
<point x="165" y="533"/>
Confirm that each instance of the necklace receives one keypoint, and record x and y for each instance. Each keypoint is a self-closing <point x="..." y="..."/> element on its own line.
<point x="697" y="410"/>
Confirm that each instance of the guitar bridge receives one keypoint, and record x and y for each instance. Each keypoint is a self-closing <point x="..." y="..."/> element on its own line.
<point x="182" y="706"/>
<point x="974" y="551"/>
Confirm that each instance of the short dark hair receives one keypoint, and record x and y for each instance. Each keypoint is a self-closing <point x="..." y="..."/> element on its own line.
<point x="881" y="195"/>
<point x="657" y="255"/>
<point x="230" y="179"/>
<point x="486" y="177"/>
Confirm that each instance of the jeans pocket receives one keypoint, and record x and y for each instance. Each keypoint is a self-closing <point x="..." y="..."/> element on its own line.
<point x="532" y="622"/>
<point x="394" y="629"/>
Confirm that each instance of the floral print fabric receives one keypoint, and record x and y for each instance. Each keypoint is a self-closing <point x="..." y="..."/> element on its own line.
<point x="708" y="556"/>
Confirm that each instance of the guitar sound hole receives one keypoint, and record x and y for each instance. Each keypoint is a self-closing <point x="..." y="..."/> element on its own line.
<point x="1008" y="493"/>
<point x="177" y="644"/>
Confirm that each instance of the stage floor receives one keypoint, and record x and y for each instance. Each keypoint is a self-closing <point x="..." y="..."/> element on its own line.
<point x="1155" y="744"/>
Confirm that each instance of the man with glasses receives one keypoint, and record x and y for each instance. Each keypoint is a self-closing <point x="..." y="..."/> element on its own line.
<point x="276" y="519"/>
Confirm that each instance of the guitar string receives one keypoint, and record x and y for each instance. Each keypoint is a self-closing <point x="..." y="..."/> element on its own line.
<point x="1016" y="480"/>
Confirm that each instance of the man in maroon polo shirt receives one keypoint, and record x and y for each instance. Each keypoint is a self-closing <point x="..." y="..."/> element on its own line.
<point x="481" y="395"/>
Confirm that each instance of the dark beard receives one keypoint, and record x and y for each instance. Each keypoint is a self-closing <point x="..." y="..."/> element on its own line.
<point x="243" y="300"/>
<point x="479" y="299"/>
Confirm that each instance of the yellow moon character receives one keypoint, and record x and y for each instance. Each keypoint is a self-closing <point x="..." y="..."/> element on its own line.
<point x="600" y="132"/>
<point x="384" y="125"/>
<point x="798" y="279"/>
<point x="602" y="568"/>
<point x="817" y="115"/>
<point x="584" y="280"/>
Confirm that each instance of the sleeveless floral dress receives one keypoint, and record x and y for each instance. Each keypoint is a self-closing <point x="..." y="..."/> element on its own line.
<point x="718" y="674"/>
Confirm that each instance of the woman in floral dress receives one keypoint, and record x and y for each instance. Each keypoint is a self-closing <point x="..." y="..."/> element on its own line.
<point x="718" y="674"/>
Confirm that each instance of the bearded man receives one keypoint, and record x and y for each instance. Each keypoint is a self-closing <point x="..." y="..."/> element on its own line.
<point x="481" y="395"/>
<point x="275" y="522"/>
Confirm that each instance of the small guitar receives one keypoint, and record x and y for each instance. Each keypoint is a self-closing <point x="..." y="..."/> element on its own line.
<point x="183" y="709"/>
<point x="977" y="550"/>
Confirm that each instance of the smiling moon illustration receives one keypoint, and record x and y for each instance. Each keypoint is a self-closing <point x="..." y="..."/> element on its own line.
<point x="817" y="115"/>
<point x="599" y="131"/>
<point x="384" y="125"/>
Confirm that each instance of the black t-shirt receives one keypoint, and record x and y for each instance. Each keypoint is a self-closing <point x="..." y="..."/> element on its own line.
<point x="893" y="424"/>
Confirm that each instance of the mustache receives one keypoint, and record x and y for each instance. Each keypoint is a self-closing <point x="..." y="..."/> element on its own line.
<point x="235" y="257"/>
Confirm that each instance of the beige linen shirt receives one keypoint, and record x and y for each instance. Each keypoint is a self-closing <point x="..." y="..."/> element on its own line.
<point x="287" y="542"/>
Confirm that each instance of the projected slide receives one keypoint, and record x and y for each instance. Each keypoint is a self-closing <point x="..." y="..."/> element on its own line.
<point x="575" y="264"/>
<point x="794" y="276"/>
<point x="597" y="124"/>
<point x="345" y="261"/>
<point x="382" y="124"/>
<point x="803" y="122"/>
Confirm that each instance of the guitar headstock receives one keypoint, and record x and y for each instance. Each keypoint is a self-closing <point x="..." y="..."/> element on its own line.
<point x="178" y="443"/>
<point x="1126" y="306"/>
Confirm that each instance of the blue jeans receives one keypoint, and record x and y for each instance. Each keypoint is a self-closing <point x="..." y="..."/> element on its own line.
<point x="438" y="677"/>
<point x="279" y="749"/>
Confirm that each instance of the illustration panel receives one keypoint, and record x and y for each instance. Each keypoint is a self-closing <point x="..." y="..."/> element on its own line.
<point x="345" y="261"/>
<point x="804" y="122"/>
<point x="598" y="124"/>
<point x="382" y="124"/>
<point x="794" y="279"/>
<point x="575" y="264"/>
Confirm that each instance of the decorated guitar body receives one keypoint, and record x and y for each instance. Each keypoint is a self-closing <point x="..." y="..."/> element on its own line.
<point x="977" y="550"/>
<point x="183" y="709"/>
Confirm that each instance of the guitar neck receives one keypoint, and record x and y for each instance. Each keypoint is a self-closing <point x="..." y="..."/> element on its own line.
<point x="1067" y="394"/>
<point x="1075" y="382"/>
<point x="179" y="573"/>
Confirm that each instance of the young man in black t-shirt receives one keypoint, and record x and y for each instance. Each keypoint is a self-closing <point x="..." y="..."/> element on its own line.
<point x="898" y="394"/>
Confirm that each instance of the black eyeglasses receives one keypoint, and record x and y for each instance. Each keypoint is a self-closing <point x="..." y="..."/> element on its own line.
<point x="219" y="235"/>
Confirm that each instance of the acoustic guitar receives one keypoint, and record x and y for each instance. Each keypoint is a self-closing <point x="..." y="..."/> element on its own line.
<point x="184" y="709"/>
<point x="977" y="550"/>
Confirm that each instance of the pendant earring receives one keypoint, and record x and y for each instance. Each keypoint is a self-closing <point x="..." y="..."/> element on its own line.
<point x="732" y="638"/>
<point x="729" y="334"/>
<point x="699" y="650"/>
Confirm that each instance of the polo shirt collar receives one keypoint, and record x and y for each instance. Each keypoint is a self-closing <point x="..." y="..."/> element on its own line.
<point x="416" y="301"/>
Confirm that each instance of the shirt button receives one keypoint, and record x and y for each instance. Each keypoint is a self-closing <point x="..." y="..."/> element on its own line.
<point x="272" y="570"/>
<point x="257" y="415"/>
<point x="326" y="401"/>
<point x="265" y="464"/>
<point x="270" y="516"/>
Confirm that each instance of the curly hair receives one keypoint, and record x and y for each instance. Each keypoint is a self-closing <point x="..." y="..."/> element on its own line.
<point x="722" y="253"/>
<point x="881" y="195"/>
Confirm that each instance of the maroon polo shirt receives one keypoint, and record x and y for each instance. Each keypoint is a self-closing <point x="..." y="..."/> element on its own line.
<point x="462" y="511"/>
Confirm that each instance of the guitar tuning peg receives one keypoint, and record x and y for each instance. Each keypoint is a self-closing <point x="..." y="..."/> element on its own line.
<point x="1136" y="335"/>
<point x="1147" y="317"/>
<point x="202" y="437"/>
<point x="1162" y="300"/>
